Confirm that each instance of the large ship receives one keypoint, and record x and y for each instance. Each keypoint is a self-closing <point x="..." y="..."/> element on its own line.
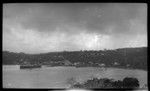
<point x="30" y="66"/>
<point x="27" y="65"/>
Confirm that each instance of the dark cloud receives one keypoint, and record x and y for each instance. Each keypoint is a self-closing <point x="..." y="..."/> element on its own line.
<point x="47" y="17"/>
<point x="117" y="22"/>
<point x="118" y="16"/>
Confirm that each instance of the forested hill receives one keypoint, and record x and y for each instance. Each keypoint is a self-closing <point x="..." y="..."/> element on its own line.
<point x="124" y="57"/>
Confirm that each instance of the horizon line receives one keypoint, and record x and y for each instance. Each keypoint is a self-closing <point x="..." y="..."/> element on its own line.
<point x="72" y="50"/>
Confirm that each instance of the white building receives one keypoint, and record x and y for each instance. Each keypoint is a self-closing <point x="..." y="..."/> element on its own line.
<point x="128" y="65"/>
<point x="116" y="63"/>
<point x="102" y="64"/>
<point x="67" y="62"/>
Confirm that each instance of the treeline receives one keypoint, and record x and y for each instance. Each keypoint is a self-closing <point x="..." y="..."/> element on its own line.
<point x="126" y="57"/>
<point x="128" y="82"/>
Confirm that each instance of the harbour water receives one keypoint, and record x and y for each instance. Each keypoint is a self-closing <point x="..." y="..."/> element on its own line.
<point x="58" y="77"/>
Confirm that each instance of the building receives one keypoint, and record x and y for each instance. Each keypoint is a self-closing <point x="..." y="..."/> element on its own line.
<point x="67" y="62"/>
<point x="116" y="63"/>
<point x="102" y="64"/>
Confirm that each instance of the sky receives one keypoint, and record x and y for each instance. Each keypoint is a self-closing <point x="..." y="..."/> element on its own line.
<point x="48" y="27"/>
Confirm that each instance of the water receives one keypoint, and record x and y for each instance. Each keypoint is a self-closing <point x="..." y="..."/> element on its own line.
<point x="57" y="77"/>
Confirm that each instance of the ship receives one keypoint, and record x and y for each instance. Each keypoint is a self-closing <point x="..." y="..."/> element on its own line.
<point x="30" y="66"/>
<point x="27" y="65"/>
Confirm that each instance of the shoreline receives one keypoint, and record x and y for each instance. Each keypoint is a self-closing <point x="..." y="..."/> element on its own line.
<point x="88" y="66"/>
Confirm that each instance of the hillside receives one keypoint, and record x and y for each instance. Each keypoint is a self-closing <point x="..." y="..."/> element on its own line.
<point x="124" y="57"/>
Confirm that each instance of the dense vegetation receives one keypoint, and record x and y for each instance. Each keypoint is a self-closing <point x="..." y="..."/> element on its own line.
<point x="128" y="82"/>
<point x="135" y="58"/>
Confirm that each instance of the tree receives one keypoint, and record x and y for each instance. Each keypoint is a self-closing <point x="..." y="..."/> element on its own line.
<point x="129" y="82"/>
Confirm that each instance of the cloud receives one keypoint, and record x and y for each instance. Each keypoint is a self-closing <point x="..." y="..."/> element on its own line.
<point x="48" y="17"/>
<point x="35" y="28"/>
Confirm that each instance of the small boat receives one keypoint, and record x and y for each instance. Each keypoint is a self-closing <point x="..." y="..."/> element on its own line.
<point x="30" y="66"/>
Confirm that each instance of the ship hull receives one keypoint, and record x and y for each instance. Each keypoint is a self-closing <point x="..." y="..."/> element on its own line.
<point x="29" y="66"/>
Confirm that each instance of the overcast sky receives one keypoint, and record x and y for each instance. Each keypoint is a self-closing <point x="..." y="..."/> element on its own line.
<point x="40" y="28"/>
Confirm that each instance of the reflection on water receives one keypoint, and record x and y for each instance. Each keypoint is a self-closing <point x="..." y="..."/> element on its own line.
<point x="57" y="77"/>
